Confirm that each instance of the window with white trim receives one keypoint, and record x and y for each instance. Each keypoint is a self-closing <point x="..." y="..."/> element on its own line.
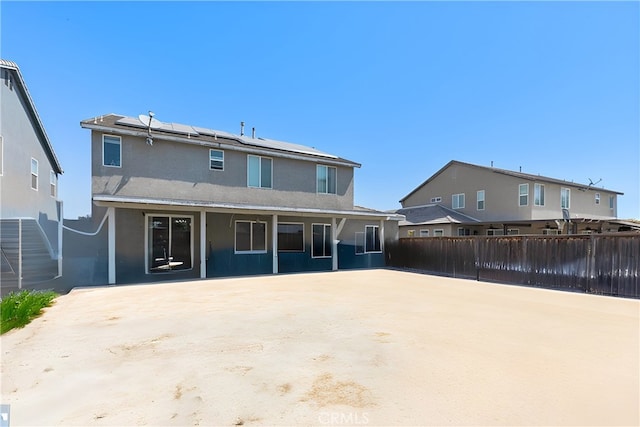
<point x="290" y="237"/>
<point x="538" y="194"/>
<point x="523" y="190"/>
<point x="326" y="179"/>
<point x="360" y="242"/>
<point x="436" y="199"/>
<point x="111" y="151"/>
<point x="424" y="233"/>
<point x="169" y="243"/>
<point x="597" y="198"/>
<point x="372" y="238"/>
<point x="457" y="201"/>
<point x="321" y="245"/>
<point x="480" y="200"/>
<point x="513" y="231"/>
<point x="216" y="160"/>
<point x="34" y="174"/>
<point x="259" y="171"/>
<point x="550" y="231"/>
<point x="438" y="232"/>
<point x="495" y="232"/>
<point x="612" y="200"/>
<point x="565" y="198"/>
<point x="52" y="183"/>
<point x="251" y="237"/>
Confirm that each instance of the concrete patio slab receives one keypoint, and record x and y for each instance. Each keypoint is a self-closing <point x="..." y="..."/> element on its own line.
<point x="377" y="347"/>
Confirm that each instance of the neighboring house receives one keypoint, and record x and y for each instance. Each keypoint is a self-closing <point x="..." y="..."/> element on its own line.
<point x="466" y="199"/>
<point x="189" y="202"/>
<point x="30" y="212"/>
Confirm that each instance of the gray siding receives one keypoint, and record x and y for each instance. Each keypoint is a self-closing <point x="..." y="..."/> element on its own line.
<point x="178" y="171"/>
<point x="21" y="143"/>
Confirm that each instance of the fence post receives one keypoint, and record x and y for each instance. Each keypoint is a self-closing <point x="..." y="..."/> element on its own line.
<point x="20" y="253"/>
<point x="476" y="254"/>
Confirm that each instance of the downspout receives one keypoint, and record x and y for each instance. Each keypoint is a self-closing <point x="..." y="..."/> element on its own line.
<point x="20" y="253"/>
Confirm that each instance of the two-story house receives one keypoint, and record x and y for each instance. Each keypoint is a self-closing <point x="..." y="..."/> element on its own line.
<point x="190" y="202"/>
<point x="30" y="211"/>
<point x="467" y="199"/>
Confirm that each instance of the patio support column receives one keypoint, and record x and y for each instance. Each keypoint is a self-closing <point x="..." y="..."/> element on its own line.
<point x="334" y="245"/>
<point x="382" y="235"/>
<point x="111" y="213"/>
<point x="274" y="242"/>
<point x="203" y="244"/>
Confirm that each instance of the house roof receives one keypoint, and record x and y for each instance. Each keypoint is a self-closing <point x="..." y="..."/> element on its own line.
<point x="432" y="214"/>
<point x="527" y="176"/>
<point x="148" y="202"/>
<point x="205" y="136"/>
<point x="31" y="110"/>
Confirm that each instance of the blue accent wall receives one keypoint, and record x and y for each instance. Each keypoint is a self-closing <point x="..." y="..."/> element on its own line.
<point x="347" y="258"/>
<point x="224" y="262"/>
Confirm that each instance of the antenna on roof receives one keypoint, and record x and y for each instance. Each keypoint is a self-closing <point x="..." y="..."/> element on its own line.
<point x="149" y="122"/>
<point x="591" y="183"/>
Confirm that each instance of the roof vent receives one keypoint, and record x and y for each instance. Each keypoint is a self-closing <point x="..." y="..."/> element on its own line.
<point x="253" y="133"/>
<point x="241" y="128"/>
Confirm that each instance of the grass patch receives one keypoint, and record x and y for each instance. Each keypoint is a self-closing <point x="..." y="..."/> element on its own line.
<point x="18" y="308"/>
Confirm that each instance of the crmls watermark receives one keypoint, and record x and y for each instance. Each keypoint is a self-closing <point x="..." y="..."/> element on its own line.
<point x="343" y="418"/>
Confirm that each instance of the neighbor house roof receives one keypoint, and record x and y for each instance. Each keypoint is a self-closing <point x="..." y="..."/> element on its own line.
<point x="527" y="176"/>
<point x="432" y="214"/>
<point x="20" y="84"/>
<point x="203" y="136"/>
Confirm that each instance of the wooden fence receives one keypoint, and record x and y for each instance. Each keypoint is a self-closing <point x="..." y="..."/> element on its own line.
<point x="606" y="264"/>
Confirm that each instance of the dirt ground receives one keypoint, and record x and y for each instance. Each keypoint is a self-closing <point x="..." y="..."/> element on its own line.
<point x="376" y="347"/>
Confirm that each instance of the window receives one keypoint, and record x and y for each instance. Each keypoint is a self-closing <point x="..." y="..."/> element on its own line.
<point x="169" y="243"/>
<point x="463" y="231"/>
<point x="424" y="233"/>
<point x="612" y="200"/>
<point x="597" y="198"/>
<point x="111" y="151"/>
<point x="360" y="242"/>
<point x="565" y="198"/>
<point x="524" y="194"/>
<point x="34" y="174"/>
<point x="411" y="233"/>
<point x="251" y="237"/>
<point x="1" y="156"/>
<point x="436" y="199"/>
<point x="495" y="232"/>
<point x="321" y="247"/>
<point x="216" y="160"/>
<point x="438" y="232"/>
<point x="480" y="200"/>
<point x="513" y="231"/>
<point x="538" y="194"/>
<point x="259" y="171"/>
<point x="326" y="179"/>
<point x="372" y="238"/>
<point x="290" y="237"/>
<point x="457" y="201"/>
<point x="550" y="231"/>
<point x="52" y="183"/>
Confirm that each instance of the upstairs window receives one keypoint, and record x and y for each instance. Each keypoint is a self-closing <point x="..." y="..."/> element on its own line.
<point x="538" y="194"/>
<point x="216" y="160"/>
<point x="480" y="200"/>
<point x="259" y="171"/>
<point x="436" y="199"/>
<point x="612" y="201"/>
<point x="597" y="198"/>
<point x="52" y="183"/>
<point x="111" y="151"/>
<point x="34" y="174"/>
<point x="524" y="194"/>
<point x="457" y="201"/>
<point x="565" y="198"/>
<point x="326" y="177"/>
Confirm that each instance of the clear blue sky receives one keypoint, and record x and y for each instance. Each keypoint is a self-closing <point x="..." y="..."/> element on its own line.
<point x="402" y="88"/>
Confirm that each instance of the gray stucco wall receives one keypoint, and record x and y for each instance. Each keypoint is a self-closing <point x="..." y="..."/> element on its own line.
<point x="20" y="144"/>
<point x="178" y="171"/>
